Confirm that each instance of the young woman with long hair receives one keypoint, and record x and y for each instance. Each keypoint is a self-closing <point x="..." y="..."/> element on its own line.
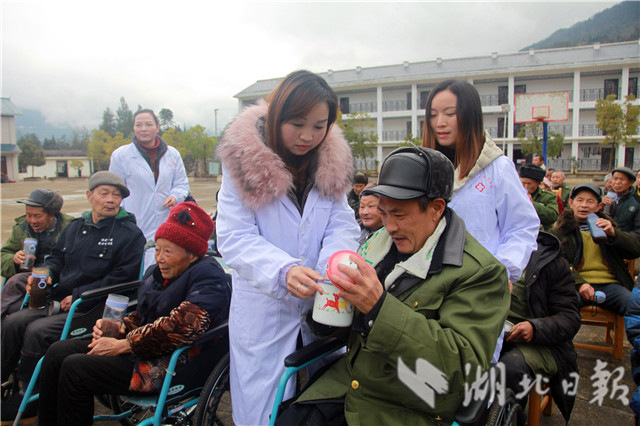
<point x="282" y="211"/>
<point x="488" y="194"/>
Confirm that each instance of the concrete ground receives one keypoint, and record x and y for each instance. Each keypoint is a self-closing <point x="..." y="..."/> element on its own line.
<point x="611" y="412"/>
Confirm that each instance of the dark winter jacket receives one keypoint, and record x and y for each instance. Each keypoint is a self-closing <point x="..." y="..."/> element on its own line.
<point x="623" y="246"/>
<point x="626" y="212"/>
<point x="173" y="315"/>
<point x="21" y="230"/>
<point x="93" y="255"/>
<point x="554" y="310"/>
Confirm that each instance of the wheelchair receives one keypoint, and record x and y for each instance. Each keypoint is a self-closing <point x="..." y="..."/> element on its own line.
<point x="179" y="400"/>
<point x="484" y="411"/>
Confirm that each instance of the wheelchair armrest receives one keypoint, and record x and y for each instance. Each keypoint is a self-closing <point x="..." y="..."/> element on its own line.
<point x="312" y="350"/>
<point x="115" y="288"/>
<point x="212" y="333"/>
<point x="470" y="414"/>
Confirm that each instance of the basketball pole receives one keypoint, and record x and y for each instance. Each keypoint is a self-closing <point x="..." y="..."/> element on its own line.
<point x="545" y="134"/>
<point x="545" y="129"/>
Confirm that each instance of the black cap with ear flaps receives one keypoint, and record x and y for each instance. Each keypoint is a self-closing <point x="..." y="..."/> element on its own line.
<point x="411" y="172"/>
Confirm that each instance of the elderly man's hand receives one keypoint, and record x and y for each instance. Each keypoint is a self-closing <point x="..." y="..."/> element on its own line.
<point x="606" y="200"/>
<point x="65" y="304"/>
<point x="521" y="332"/>
<point x="366" y="290"/>
<point x="109" y="346"/>
<point x="19" y="257"/>
<point x="606" y="226"/>
<point x="587" y="292"/>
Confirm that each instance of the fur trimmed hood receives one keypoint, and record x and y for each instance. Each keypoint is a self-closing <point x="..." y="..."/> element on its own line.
<point x="260" y="173"/>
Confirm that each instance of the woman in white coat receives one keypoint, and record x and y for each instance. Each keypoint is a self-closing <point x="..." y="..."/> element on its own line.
<point x="154" y="173"/>
<point x="282" y="211"/>
<point x="488" y="194"/>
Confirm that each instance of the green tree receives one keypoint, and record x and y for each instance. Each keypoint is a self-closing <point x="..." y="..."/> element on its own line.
<point x="79" y="138"/>
<point x="618" y="122"/>
<point x="166" y="118"/>
<point x="531" y="137"/>
<point x="78" y="165"/>
<point x="194" y="145"/>
<point x="200" y="146"/>
<point x="108" y="124"/>
<point x="101" y="145"/>
<point x="31" y="152"/>
<point x="50" y="143"/>
<point x="359" y="130"/>
<point x="410" y="140"/>
<point x="124" y="119"/>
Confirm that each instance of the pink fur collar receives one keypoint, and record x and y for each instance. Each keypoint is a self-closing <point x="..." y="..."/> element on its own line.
<point x="260" y="174"/>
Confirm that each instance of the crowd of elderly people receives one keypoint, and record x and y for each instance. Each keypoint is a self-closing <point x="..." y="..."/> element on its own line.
<point x="429" y="284"/>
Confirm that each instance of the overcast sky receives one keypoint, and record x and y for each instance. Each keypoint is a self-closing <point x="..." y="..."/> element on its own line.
<point x="70" y="60"/>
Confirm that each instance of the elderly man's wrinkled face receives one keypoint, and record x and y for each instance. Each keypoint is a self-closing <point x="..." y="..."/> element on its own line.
<point x="38" y="218"/>
<point x="529" y="184"/>
<point x="105" y="201"/>
<point x="557" y="178"/>
<point x="583" y="204"/>
<point x="172" y="259"/>
<point x="621" y="183"/>
<point x="408" y="226"/>
<point x="358" y="187"/>
<point x="369" y="212"/>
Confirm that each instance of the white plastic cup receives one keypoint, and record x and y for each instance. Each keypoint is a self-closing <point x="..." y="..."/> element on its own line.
<point x="330" y="309"/>
<point x="115" y="309"/>
<point x="508" y="325"/>
<point x="29" y="248"/>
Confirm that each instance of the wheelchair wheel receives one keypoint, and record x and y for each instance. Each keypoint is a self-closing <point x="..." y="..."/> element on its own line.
<point x="509" y="414"/>
<point x="214" y="405"/>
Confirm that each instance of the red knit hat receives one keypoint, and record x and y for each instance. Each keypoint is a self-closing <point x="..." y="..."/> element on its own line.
<point x="189" y="227"/>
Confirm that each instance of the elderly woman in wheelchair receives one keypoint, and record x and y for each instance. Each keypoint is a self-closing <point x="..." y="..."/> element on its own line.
<point x="179" y="299"/>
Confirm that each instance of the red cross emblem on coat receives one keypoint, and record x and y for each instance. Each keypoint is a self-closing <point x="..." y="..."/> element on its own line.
<point x="480" y="187"/>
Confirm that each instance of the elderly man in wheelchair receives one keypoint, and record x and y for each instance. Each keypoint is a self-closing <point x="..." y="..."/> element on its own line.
<point x="180" y="298"/>
<point x="431" y="301"/>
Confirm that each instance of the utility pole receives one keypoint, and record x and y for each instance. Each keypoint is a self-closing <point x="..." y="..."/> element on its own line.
<point x="216" y="122"/>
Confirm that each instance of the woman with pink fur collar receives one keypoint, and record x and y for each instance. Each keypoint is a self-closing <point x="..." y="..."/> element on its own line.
<point x="282" y="211"/>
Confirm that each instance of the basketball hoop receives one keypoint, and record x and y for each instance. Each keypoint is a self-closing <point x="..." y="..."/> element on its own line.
<point x="541" y="107"/>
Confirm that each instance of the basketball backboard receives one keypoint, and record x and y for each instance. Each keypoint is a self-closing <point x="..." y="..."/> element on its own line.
<point x="543" y="106"/>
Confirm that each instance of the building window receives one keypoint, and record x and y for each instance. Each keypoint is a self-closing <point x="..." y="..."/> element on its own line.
<point x="611" y="87"/>
<point x="633" y="86"/>
<point x="501" y="129"/>
<point x="408" y="101"/>
<point x="344" y="105"/>
<point x="423" y="98"/>
<point x="503" y="92"/>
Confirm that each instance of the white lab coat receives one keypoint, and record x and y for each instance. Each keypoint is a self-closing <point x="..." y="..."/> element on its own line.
<point x="147" y="196"/>
<point x="265" y="319"/>
<point x="497" y="212"/>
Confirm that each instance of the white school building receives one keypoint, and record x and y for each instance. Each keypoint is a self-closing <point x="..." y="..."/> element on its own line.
<point x="394" y="96"/>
